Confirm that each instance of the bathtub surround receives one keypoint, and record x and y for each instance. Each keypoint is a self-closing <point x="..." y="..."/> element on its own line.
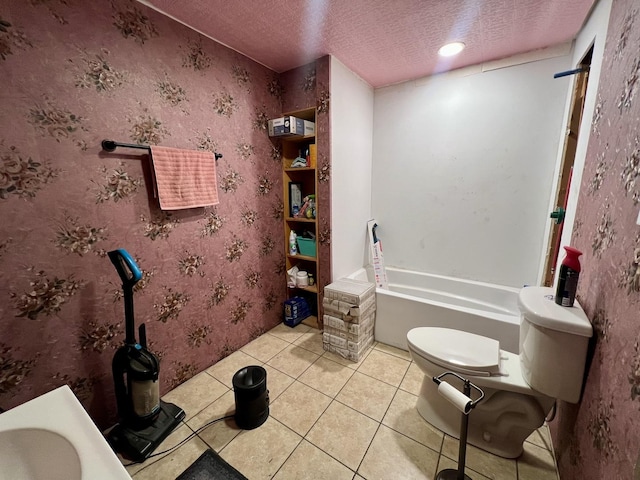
<point x="463" y="169"/>
<point x="73" y="75"/>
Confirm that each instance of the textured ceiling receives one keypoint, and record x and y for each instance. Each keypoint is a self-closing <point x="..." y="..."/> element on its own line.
<point x="383" y="41"/>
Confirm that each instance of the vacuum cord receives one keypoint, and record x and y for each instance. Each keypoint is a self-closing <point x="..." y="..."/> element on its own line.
<point x="182" y="442"/>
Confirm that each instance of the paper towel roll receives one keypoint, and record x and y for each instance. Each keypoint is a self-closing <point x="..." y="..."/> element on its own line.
<point x="457" y="398"/>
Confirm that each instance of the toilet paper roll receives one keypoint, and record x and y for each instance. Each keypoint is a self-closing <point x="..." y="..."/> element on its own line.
<point x="457" y="398"/>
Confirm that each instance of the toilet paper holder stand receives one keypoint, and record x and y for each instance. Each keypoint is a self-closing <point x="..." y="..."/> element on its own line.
<point x="464" y="403"/>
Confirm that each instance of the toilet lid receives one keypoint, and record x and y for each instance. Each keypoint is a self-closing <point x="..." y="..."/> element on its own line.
<point x="457" y="350"/>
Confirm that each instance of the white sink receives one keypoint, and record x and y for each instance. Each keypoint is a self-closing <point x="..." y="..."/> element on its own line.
<point x="52" y="437"/>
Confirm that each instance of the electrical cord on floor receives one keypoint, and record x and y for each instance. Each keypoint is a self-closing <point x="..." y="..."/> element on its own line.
<point x="182" y="442"/>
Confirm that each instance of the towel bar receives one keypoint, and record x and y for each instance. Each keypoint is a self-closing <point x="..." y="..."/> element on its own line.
<point x="110" y="146"/>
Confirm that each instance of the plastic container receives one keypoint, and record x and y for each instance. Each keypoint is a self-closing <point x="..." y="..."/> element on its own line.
<point x="307" y="246"/>
<point x="302" y="279"/>
<point x="568" y="278"/>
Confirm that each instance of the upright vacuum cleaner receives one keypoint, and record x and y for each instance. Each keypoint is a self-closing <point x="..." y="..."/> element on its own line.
<point x="144" y="420"/>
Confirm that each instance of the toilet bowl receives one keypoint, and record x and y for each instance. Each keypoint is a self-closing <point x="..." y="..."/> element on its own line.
<point x="520" y="390"/>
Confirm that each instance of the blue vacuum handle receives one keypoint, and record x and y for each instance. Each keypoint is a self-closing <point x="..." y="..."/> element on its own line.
<point x="127" y="268"/>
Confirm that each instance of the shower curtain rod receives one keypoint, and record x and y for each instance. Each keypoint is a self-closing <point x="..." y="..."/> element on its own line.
<point x="110" y="146"/>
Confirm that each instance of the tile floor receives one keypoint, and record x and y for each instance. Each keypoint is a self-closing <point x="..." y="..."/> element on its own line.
<point x="329" y="419"/>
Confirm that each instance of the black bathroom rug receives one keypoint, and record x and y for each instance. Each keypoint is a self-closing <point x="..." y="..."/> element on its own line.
<point x="211" y="466"/>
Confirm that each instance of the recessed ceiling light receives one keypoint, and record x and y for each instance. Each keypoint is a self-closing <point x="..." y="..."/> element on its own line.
<point x="451" y="49"/>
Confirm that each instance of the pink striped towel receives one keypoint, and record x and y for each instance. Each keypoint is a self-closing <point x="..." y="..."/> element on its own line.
<point x="184" y="178"/>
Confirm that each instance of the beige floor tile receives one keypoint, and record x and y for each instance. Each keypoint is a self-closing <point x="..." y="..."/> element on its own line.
<point x="343" y="433"/>
<point x="483" y="462"/>
<point x="536" y="463"/>
<point x="392" y="455"/>
<point x="226" y="368"/>
<point x="265" y="347"/>
<point x="312" y="340"/>
<point x="299" y="407"/>
<point x="196" y="393"/>
<point x="402" y="416"/>
<point x="259" y="453"/>
<point x="220" y="433"/>
<point x="396" y="352"/>
<point x="174" y="463"/>
<point x="385" y="367"/>
<point x="541" y="437"/>
<point x="178" y="435"/>
<point x="289" y="334"/>
<point x="277" y="382"/>
<point x="308" y="462"/>
<point x="412" y="380"/>
<point x="446" y="463"/>
<point x="293" y="360"/>
<point x="367" y="395"/>
<point x="326" y="376"/>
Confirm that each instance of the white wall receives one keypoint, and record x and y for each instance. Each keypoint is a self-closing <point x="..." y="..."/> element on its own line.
<point x="593" y="33"/>
<point x="351" y="147"/>
<point x="463" y="168"/>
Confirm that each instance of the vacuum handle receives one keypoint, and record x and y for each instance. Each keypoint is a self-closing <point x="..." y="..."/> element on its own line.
<point x="127" y="268"/>
<point x="142" y="334"/>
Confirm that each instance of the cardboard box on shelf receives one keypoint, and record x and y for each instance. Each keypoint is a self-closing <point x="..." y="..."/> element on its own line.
<point x="289" y="126"/>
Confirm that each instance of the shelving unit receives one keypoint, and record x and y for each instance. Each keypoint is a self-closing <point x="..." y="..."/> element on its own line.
<point x="307" y="177"/>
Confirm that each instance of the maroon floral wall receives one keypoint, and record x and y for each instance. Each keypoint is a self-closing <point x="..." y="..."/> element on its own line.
<point x="76" y="72"/>
<point x="600" y="438"/>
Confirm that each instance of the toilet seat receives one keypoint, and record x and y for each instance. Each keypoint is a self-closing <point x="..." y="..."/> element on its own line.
<point x="455" y="350"/>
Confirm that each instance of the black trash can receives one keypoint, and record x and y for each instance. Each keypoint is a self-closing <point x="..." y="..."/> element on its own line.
<point x="252" y="397"/>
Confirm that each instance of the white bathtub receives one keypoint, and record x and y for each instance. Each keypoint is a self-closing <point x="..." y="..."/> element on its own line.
<point x="417" y="299"/>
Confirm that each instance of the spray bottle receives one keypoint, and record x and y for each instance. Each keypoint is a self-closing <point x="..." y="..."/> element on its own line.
<point x="568" y="279"/>
<point x="293" y="248"/>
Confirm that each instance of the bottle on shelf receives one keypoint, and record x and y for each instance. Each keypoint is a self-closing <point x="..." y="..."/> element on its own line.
<point x="293" y="248"/>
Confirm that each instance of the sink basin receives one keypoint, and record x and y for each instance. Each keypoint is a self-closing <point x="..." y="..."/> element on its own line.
<point x="52" y="437"/>
<point x="30" y="452"/>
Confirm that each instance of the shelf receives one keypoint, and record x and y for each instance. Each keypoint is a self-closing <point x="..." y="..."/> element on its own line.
<point x="296" y="138"/>
<point x="311" y="288"/>
<point x="300" y="169"/>
<point x="300" y="219"/>
<point x="293" y="147"/>
<point x="302" y="257"/>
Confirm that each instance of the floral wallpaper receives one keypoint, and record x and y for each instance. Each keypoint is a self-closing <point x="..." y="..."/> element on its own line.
<point x="600" y="437"/>
<point x="74" y="73"/>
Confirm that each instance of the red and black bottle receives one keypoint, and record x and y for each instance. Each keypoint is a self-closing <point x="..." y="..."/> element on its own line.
<point x="568" y="279"/>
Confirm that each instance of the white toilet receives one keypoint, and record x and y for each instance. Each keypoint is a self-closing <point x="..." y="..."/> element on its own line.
<point x="520" y="390"/>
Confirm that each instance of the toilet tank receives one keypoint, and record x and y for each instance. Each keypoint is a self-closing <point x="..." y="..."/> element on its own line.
<point x="553" y="344"/>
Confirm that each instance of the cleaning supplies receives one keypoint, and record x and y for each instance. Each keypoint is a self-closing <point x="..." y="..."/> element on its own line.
<point x="293" y="247"/>
<point x="568" y="279"/>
